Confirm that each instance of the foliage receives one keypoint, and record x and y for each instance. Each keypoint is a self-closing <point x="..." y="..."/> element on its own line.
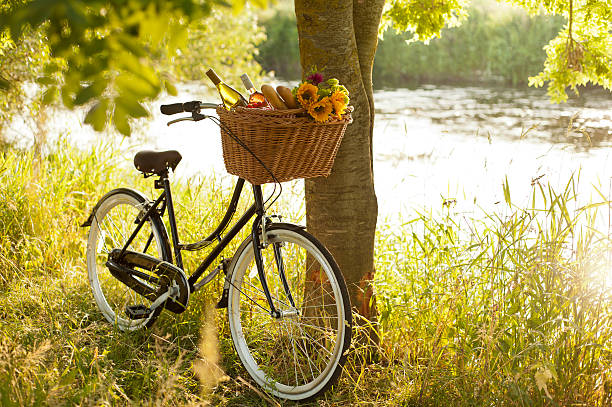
<point x="109" y="47"/>
<point x="280" y="51"/>
<point x="112" y="56"/>
<point x="581" y="53"/>
<point x="226" y="42"/>
<point x="482" y="48"/>
<point x="486" y="47"/>
<point x="20" y="63"/>
<point x="423" y="19"/>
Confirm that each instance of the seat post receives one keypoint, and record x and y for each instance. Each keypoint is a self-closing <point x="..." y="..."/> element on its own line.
<point x="163" y="178"/>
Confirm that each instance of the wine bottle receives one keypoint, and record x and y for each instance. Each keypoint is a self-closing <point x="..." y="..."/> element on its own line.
<point x="256" y="99"/>
<point x="231" y="97"/>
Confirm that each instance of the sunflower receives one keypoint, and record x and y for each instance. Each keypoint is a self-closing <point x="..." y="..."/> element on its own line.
<point x="339" y="101"/>
<point x="321" y="110"/>
<point x="307" y="94"/>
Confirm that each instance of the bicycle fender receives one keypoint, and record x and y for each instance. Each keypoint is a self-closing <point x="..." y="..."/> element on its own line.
<point x="142" y="198"/>
<point x="136" y="194"/>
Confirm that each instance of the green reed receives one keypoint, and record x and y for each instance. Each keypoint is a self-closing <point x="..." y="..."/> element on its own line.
<point x="501" y="309"/>
<point x="492" y="309"/>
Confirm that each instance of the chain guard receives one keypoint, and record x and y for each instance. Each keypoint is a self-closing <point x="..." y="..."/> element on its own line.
<point x="166" y="275"/>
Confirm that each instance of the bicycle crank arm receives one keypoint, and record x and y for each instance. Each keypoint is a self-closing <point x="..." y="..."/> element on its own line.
<point x="172" y="292"/>
<point x="140" y="311"/>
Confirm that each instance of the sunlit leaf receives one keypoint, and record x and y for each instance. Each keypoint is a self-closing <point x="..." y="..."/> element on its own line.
<point x="85" y="94"/>
<point x="96" y="116"/>
<point x="46" y="80"/>
<point x="178" y="37"/>
<point x="120" y="121"/>
<point x="132" y="85"/>
<point x="170" y="88"/>
<point x="4" y="84"/>
<point x="131" y="44"/>
<point x="68" y="377"/>
<point x="131" y="107"/>
<point x="50" y="95"/>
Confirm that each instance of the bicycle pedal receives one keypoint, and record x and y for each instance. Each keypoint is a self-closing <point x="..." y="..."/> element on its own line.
<point x="137" y="311"/>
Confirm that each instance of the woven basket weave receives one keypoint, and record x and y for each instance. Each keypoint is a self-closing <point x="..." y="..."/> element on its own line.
<point x="290" y="143"/>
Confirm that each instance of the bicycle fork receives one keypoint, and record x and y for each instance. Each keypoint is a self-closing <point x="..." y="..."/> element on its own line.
<point x="259" y="224"/>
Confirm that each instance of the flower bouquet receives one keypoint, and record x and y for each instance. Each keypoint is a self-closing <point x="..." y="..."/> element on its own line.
<point x="322" y="99"/>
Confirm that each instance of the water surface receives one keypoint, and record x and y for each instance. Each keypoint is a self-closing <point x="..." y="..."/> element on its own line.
<point x="431" y="144"/>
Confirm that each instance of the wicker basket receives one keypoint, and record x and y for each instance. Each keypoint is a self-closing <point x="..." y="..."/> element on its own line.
<point x="288" y="142"/>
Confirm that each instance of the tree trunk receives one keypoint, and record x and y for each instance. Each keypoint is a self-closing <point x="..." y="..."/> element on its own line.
<point x="339" y="38"/>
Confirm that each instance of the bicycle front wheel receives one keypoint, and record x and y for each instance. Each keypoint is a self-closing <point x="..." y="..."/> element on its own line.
<point x="300" y="354"/>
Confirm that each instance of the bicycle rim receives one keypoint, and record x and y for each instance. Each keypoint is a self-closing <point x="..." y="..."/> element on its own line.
<point x="113" y="223"/>
<point x="299" y="355"/>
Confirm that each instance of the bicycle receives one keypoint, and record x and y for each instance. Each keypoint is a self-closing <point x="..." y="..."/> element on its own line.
<point x="287" y="304"/>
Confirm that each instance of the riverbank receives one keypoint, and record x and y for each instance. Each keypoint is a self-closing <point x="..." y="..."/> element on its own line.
<point x="497" y="44"/>
<point x="485" y="309"/>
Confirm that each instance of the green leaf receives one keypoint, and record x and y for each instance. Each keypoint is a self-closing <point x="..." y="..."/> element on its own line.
<point x="85" y="94"/>
<point x="51" y="68"/>
<point x="131" y="106"/>
<point x="129" y="84"/>
<point x="50" y="95"/>
<point x="96" y="116"/>
<point x="120" y="121"/>
<point x="514" y="308"/>
<point x="503" y="345"/>
<point x="67" y="96"/>
<point x="506" y="187"/>
<point x="131" y="44"/>
<point x="5" y="85"/>
<point x="178" y="37"/>
<point x="46" y="80"/>
<point x="170" y="88"/>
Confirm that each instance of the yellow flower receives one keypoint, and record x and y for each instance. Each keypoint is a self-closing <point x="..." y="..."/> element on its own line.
<point x="339" y="101"/>
<point x="307" y="94"/>
<point x="321" y="110"/>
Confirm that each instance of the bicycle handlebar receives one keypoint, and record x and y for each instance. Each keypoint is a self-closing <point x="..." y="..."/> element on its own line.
<point x="192" y="107"/>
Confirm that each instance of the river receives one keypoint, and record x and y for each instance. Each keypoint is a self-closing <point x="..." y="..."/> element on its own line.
<point x="431" y="144"/>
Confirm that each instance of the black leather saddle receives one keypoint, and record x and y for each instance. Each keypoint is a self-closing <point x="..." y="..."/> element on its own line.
<point x="156" y="162"/>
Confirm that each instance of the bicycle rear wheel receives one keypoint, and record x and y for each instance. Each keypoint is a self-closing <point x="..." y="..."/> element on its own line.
<point x="114" y="220"/>
<point x="299" y="355"/>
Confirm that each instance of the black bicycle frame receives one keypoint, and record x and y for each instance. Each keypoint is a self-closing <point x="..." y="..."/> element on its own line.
<point x="256" y="208"/>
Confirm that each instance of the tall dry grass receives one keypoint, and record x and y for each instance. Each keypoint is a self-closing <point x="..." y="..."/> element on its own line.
<point x="504" y="309"/>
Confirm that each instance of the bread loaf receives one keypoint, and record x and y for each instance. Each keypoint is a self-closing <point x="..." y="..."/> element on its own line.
<point x="287" y="96"/>
<point x="273" y="97"/>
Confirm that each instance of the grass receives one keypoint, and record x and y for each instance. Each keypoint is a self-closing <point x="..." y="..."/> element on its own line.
<point x="507" y="309"/>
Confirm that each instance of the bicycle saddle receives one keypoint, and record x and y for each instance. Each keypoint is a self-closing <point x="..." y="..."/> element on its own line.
<point x="156" y="162"/>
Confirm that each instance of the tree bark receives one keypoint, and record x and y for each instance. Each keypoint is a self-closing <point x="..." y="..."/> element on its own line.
<point x="339" y="38"/>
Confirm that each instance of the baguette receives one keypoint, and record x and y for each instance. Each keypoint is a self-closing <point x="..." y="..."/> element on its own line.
<point x="287" y="96"/>
<point x="273" y="97"/>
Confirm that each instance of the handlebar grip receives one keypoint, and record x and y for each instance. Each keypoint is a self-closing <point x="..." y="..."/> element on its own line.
<point x="172" y="109"/>
<point x="193" y="106"/>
